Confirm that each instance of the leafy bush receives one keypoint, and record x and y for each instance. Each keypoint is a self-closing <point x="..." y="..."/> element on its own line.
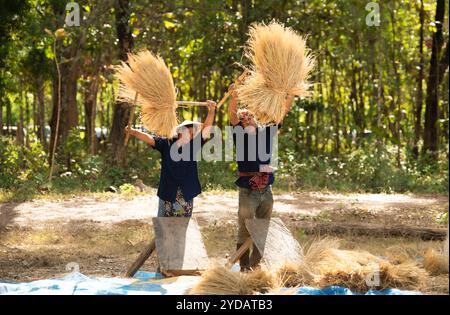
<point x="127" y="189"/>
<point x="364" y="170"/>
<point x="25" y="170"/>
<point x="20" y="165"/>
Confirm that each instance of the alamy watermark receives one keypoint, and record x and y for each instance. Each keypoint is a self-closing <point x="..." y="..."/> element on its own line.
<point x="250" y="144"/>
<point x="73" y="14"/>
<point x="73" y="267"/>
<point x="373" y="17"/>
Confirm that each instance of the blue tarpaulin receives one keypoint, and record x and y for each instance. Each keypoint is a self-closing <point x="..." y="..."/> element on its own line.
<point x="143" y="283"/>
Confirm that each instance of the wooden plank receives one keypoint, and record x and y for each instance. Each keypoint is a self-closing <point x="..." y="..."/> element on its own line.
<point x="371" y="229"/>
<point x="237" y="255"/>
<point x="145" y="254"/>
<point x="179" y="245"/>
<point x="177" y="273"/>
<point x="274" y="241"/>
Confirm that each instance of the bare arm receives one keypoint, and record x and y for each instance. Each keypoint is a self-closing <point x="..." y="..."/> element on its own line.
<point x="141" y="135"/>
<point x="209" y="119"/>
<point x="232" y="109"/>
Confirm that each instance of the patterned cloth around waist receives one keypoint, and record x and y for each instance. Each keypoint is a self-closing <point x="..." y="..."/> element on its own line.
<point x="257" y="180"/>
<point x="178" y="208"/>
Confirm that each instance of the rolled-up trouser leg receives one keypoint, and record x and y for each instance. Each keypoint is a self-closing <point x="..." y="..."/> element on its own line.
<point x="263" y="211"/>
<point x="247" y="208"/>
<point x="244" y="260"/>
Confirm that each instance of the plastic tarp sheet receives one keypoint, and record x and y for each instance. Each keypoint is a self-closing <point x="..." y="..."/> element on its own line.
<point x="144" y="283"/>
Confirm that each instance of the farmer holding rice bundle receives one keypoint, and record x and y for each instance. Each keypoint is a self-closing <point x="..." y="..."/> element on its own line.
<point x="255" y="173"/>
<point x="279" y="70"/>
<point x="145" y="80"/>
<point x="179" y="183"/>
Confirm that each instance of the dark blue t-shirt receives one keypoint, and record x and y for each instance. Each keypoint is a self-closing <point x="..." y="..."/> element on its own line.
<point x="181" y="171"/>
<point x="251" y="160"/>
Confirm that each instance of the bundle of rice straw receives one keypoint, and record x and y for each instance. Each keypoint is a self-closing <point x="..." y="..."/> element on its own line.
<point x="300" y="274"/>
<point x="281" y="64"/>
<point x="436" y="262"/>
<point x="379" y="276"/>
<point x="324" y="265"/>
<point x="219" y="280"/>
<point x="148" y="75"/>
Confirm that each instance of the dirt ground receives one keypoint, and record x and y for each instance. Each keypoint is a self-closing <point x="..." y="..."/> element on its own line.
<point x="103" y="234"/>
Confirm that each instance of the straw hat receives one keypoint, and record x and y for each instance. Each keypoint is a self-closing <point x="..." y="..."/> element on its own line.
<point x="188" y="123"/>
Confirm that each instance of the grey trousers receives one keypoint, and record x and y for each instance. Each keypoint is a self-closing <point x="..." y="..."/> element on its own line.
<point x="253" y="204"/>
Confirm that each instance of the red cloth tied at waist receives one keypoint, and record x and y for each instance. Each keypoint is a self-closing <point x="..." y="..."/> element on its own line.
<point x="258" y="180"/>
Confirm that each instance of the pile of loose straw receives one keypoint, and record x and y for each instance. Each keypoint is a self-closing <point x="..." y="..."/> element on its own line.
<point x="325" y="265"/>
<point x="281" y="64"/>
<point x="436" y="262"/>
<point x="148" y="75"/>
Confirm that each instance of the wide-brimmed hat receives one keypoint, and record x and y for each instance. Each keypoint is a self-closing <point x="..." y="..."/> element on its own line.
<point x="188" y="123"/>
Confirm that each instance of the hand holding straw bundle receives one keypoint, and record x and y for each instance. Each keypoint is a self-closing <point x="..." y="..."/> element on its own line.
<point x="148" y="76"/>
<point x="280" y="67"/>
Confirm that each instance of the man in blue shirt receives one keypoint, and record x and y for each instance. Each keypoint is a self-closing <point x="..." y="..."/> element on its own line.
<point x="179" y="183"/>
<point x="255" y="173"/>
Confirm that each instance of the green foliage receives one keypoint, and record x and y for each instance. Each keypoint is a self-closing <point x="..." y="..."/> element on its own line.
<point x="443" y="218"/>
<point x="20" y="165"/>
<point x="362" y="170"/>
<point x="364" y="91"/>
<point x="127" y="189"/>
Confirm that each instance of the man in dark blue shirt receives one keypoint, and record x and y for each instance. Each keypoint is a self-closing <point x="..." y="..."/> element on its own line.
<point x="179" y="183"/>
<point x="255" y="173"/>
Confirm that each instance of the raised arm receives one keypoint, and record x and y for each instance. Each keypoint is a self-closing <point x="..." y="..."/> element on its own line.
<point x="141" y="135"/>
<point x="207" y="125"/>
<point x="232" y="109"/>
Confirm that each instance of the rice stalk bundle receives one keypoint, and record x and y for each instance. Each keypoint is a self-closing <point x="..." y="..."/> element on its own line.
<point x="324" y="265"/>
<point x="436" y="262"/>
<point x="303" y="273"/>
<point x="295" y="275"/>
<point x="407" y="275"/>
<point x="281" y="64"/>
<point x="147" y="74"/>
<point x="398" y="254"/>
<point x="219" y="280"/>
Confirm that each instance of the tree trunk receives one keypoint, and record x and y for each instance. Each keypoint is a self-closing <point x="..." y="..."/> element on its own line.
<point x="41" y="113"/>
<point x="354" y="99"/>
<point x="90" y="105"/>
<point x="8" y="116"/>
<point x="337" y="142"/>
<point x="308" y="129"/>
<point x="121" y="109"/>
<point x="27" y="120"/>
<point x="243" y="26"/>
<point x="419" y="99"/>
<point x="443" y="64"/>
<point x="430" y="135"/>
<point x="371" y="229"/>
<point x="396" y="95"/>
<point x="380" y="100"/>
<point x="361" y="105"/>
<point x="1" y="117"/>
<point x="19" y="132"/>
<point x="102" y="115"/>
<point x="69" y="108"/>
<point x="34" y="112"/>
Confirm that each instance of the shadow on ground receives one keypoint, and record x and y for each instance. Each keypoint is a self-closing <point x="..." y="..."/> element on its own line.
<point x="8" y="213"/>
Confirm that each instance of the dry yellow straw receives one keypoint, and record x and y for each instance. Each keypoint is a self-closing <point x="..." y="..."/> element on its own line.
<point x="281" y="64"/>
<point x="148" y="75"/>
<point x="324" y="265"/>
<point x="220" y="280"/>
